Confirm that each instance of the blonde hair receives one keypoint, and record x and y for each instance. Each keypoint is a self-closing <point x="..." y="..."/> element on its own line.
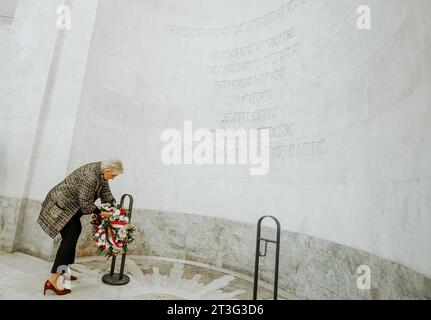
<point x="114" y="165"/>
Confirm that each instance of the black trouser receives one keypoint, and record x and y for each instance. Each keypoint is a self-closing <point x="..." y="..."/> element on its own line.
<point x="69" y="238"/>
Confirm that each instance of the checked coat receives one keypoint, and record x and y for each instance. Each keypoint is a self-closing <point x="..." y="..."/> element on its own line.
<point x="77" y="191"/>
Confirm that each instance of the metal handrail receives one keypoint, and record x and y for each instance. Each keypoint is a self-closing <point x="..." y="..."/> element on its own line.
<point x="259" y="254"/>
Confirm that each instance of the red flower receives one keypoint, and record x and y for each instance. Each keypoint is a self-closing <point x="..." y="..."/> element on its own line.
<point x="122" y="212"/>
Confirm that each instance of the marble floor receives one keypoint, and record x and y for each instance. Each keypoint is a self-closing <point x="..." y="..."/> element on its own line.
<point x="22" y="277"/>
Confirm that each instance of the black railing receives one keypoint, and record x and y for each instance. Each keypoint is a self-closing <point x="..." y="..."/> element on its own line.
<point x="120" y="278"/>
<point x="259" y="254"/>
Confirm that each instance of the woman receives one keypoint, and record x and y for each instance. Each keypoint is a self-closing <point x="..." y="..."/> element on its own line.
<point x="66" y="203"/>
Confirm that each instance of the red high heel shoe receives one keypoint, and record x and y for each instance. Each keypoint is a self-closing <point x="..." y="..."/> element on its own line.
<point x="49" y="286"/>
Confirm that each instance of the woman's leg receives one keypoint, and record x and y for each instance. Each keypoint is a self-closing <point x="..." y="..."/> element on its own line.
<point x="78" y="229"/>
<point x="66" y="251"/>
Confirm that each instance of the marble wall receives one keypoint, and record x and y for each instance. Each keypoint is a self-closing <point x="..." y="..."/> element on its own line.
<point x="48" y="64"/>
<point x="310" y="268"/>
<point x="9" y="209"/>
<point x="7" y="8"/>
<point x="348" y="112"/>
<point x="28" y="47"/>
<point x="348" y="118"/>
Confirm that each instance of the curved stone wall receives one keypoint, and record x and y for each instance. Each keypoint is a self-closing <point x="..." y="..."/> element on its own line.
<point x="347" y="116"/>
<point x="310" y="268"/>
<point x="347" y="112"/>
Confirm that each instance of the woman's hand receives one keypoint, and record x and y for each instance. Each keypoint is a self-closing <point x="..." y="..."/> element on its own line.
<point x="105" y="214"/>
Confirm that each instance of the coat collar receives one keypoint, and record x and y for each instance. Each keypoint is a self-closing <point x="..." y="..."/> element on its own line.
<point x="100" y="172"/>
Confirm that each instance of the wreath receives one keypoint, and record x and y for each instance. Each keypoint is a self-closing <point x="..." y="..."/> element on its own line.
<point x="112" y="233"/>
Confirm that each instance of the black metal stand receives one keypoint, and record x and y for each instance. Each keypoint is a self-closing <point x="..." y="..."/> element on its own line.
<point x="118" y="279"/>
<point x="259" y="254"/>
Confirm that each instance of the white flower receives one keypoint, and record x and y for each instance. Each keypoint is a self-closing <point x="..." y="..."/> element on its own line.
<point x="122" y="233"/>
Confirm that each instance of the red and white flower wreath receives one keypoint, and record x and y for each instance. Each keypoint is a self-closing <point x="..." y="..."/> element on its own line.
<point x="113" y="233"/>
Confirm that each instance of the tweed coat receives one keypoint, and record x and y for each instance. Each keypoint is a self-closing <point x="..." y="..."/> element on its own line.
<point x="77" y="191"/>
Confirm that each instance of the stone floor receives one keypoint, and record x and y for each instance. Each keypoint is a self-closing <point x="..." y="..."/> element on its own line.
<point x="22" y="277"/>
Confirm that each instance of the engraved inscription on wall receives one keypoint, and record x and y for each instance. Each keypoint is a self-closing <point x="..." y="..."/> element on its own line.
<point x="277" y="15"/>
<point x="249" y="79"/>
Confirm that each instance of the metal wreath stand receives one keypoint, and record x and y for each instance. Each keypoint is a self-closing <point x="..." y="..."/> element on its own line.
<point x="118" y="279"/>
